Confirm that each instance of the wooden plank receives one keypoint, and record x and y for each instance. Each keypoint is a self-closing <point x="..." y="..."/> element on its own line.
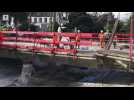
<point x="114" y="57"/>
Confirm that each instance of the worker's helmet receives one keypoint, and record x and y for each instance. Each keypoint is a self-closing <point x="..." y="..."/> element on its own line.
<point x="101" y="31"/>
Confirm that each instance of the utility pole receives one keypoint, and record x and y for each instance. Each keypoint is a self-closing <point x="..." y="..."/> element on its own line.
<point x="29" y="20"/>
<point x="54" y="20"/>
<point x="113" y="32"/>
<point x="108" y="20"/>
<point x="132" y="23"/>
<point x="131" y="38"/>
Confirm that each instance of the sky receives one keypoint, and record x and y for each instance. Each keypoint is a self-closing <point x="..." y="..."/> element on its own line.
<point x="123" y="15"/>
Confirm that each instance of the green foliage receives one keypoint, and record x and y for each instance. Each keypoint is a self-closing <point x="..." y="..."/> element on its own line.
<point x="19" y="16"/>
<point x="4" y="27"/>
<point x="23" y="27"/>
<point x="27" y="27"/>
<point x="107" y="21"/>
<point x="50" y="27"/>
<point x="56" y="25"/>
<point x="82" y="21"/>
<point x="89" y="23"/>
<point x="124" y="27"/>
<point x="53" y="27"/>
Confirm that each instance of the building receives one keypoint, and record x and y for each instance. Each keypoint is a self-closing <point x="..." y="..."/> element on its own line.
<point x="43" y="19"/>
<point x="5" y="19"/>
<point x="62" y="17"/>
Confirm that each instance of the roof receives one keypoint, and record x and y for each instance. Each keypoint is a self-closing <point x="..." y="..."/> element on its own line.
<point x="42" y="14"/>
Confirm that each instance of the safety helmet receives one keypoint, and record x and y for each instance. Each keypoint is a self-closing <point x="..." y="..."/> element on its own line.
<point x="101" y="31"/>
<point x="78" y="31"/>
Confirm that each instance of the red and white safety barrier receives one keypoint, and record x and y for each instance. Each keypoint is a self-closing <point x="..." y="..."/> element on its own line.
<point x="84" y="39"/>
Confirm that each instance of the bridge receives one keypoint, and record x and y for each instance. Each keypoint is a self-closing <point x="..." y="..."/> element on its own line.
<point x="25" y="45"/>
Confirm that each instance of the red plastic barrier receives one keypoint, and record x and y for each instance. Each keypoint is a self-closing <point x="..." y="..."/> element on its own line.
<point x="8" y="45"/>
<point x="66" y="34"/>
<point x="27" y="40"/>
<point x="68" y="43"/>
<point x="44" y="33"/>
<point x="85" y="43"/>
<point x="19" y="32"/>
<point x="39" y="48"/>
<point x="85" y="35"/>
<point x="84" y="39"/>
<point x="26" y="47"/>
<point x="18" y="39"/>
<point x="121" y="38"/>
<point x="65" y="50"/>
<point x="42" y="48"/>
<point x="124" y="34"/>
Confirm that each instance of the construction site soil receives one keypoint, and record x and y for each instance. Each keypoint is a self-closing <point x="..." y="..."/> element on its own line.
<point x="63" y="76"/>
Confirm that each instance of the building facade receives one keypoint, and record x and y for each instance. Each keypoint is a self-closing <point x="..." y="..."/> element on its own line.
<point x="43" y="19"/>
<point x="40" y="19"/>
<point x="5" y="19"/>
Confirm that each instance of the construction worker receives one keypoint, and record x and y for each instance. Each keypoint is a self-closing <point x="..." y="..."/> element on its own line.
<point x="60" y="45"/>
<point x="78" y="38"/>
<point x="101" y="39"/>
<point x="107" y="35"/>
<point x="115" y="41"/>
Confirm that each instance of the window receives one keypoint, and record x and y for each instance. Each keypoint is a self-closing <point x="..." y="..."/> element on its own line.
<point x="45" y="20"/>
<point x="64" y="14"/>
<point x="35" y="20"/>
<point x="40" y="20"/>
<point x="5" y="17"/>
<point x="32" y="19"/>
<point x="64" y="18"/>
<point x="50" y="19"/>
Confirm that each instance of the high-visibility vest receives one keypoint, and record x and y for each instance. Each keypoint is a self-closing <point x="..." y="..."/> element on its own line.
<point x="77" y="38"/>
<point x="101" y="35"/>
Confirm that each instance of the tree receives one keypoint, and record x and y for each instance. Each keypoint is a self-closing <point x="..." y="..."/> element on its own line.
<point x="84" y="22"/>
<point x="27" y="27"/>
<point x="56" y="25"/>
<point x="90" y="23"/>
<point x="53" y="27"/>
<point x="20" y="16"/>
<point x="107" y="21"/>
<point x="124" y="27"/>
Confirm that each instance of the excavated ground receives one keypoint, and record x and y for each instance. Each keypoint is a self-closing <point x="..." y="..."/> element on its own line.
<point x="64" y="76"/>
